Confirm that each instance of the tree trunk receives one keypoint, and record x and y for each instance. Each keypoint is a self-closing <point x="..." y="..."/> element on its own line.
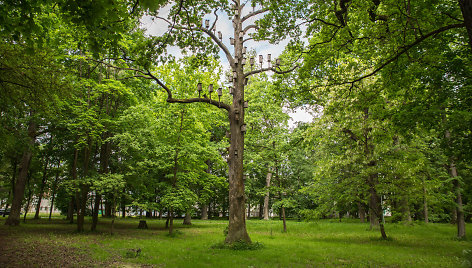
<point x="168" y="219"/>
<point x="101" y="208"/>
<point x="248" y="210"/>
<point x="84" y="189"/>
<point x="237" y="218"/>
<point x="171" y="221"/>
<point x="30" y="194"/>
<point x="54" y="185"/>
<point x="43" y="184"/>
<point x="361" y="211"/>
<point x="406" y="209"/>
<point x="108" y="208"/>
<point x="13" y="179"/>
<point x="459" y="206"/>
<point x="425" y="203"/>
<point x="96" y="207"/>
<point x="375" y="208"/>
<point x="466" y="9"/>
<point x="283" y="218"/>
<point x="188" y="218"/>
<point x="459" y="211"/>
<point x="113" y="215"/>
<point x="123" y="209"/>
<point x="70" y="211"/>
<point x="52" y="202"/>
<point x="204" y="211"/>
<point x="261" y="208"/>
<point x="373" y="204"/>
<point x="19" y="189"/>
<point x="266" y="198"/>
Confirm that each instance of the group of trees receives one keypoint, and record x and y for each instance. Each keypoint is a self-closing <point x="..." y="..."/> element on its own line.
<point x="96" y="113"/>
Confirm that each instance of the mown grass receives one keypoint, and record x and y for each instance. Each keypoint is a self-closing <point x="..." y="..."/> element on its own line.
<point x="306" y="244"/>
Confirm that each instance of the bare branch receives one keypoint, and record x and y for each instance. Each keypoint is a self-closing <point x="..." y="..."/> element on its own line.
<point x="271" y="69"/>
<point x="170" y="99"/>
<point x="247" y="39"/>
<point x="221" y="45"/>
<point x="405" y="49"/>
<point x="164" y="19"/>
<point x="211" y="35"/>
<point x="252" y="14"/>
<point x="250" y="27"/>
<point x="216" y="19"/>
<point x="204" y="100"/>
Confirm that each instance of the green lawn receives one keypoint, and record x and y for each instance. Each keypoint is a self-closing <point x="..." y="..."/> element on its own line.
<point x="306" y="244"/>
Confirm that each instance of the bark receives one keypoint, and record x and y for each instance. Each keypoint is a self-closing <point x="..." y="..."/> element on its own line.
<point x="104" y="160"/>
<point x="425" y="203"/>
<point x="459" y="211"/>
<point x="361" y="211"/>
<point x="30" y="194"/>
<point x="261" y="208"/>
<point x="204" y="211"/>
<point x="176" y="167"/>
<point x="167" y="219"/>
<point x="283" y="218"/>
<point x="83" y="194"/>
<point x="108" y="208"/>
<point x="123" y="209"/>
<point x="375" y="209"/>
<point x="101" y="208"/>
<point x="406" y="209"/>
<point x="188" y="218"/>
<point x="70" y="211"/>
<point x="237" y="218"/>
<point x="43" y="184"/>
<point x="374" y="201"/>
<point x="248" y="210"/>
<point x="466" y="9"/>
<point x="96" y="207"/>
<point x="113" y="216"/>
<point x="41" y="191"/>
<point x="459" y="205"/>
<point x="171" y="221"/>
<point x="19" y="189"/>
<point x="266" y="197"/>
<point x="53" y="193"/>
<point x="13" y="179"/>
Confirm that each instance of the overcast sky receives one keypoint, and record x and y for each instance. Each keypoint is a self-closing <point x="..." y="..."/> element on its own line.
<point x="158" y="27"/>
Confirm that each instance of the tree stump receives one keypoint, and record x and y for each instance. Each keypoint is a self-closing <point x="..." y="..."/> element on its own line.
<point x="142" y="225"/>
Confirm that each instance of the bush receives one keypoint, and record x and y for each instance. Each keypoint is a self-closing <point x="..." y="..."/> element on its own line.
<point x="238" y="245"/>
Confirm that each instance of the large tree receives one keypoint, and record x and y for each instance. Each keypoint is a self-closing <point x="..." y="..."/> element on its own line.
<point x="188" y="30"/>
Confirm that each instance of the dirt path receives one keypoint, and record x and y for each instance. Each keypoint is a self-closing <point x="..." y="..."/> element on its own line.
<point x="16" y="251"/>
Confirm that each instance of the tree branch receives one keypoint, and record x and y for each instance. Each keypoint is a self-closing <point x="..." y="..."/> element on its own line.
<point x="271" y="69"/>
<point x="216" y="19"/>
<point x="220" y="44"/>
<point x="211" y="35"/>
<point x="252" y="14"/>
<point x="405" y="49"/>
<point x="250" y="27"/>
<point x="170" y="99"/>
<point x="351" y="134"/>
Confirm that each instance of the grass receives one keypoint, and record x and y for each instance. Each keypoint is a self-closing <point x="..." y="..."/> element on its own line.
<point x="306" y="244"/>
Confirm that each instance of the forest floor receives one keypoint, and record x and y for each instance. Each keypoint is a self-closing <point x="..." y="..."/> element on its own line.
<point x="326" y="243"/>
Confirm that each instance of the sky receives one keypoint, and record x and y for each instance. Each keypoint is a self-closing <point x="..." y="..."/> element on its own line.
<point x="158" y="27"/>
